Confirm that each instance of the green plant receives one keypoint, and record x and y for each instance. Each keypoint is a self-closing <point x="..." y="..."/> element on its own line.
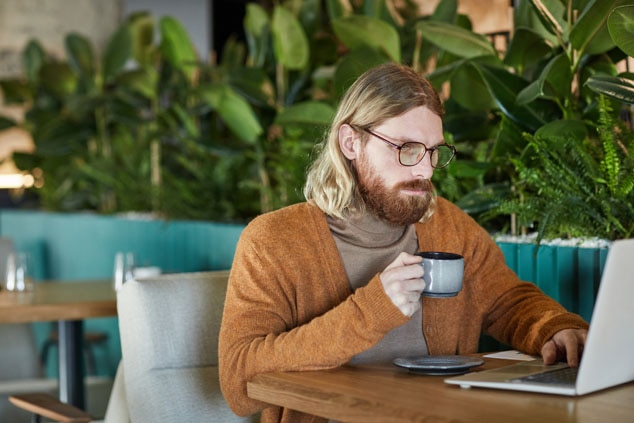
<point x="144" y="127"/>
<point x="560" y="58"/>
<point x="102" y="125"/>
<point x="573" y="186"/>
<point x="148" y="127"/>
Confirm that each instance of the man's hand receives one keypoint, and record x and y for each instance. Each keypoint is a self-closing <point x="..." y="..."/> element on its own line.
<point x="403" y="282"/>
<point x="565" y="345"/>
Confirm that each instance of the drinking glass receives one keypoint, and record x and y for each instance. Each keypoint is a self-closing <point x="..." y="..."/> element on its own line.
<point x="18" y="278"/>
<point x="123" y="268"/>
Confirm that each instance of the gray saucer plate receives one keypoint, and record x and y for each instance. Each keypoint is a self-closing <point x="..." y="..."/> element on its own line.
<point x="438" y="365"/>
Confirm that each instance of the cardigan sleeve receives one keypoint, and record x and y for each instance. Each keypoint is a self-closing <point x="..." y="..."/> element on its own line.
<point x="493" y="301"/>
<point x="289" y="305"/>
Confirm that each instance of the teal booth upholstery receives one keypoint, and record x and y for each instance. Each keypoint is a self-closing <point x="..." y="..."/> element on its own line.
<point x="82" y="246"/>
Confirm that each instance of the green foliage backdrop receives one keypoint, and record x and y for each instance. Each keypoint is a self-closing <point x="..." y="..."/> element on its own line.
<point x="148" y="126"/>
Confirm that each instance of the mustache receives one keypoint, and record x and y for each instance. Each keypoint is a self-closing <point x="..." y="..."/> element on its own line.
<point x="417" y="185"/>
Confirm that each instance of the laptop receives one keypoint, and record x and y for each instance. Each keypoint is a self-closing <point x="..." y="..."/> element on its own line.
<point x="608" y="358"/>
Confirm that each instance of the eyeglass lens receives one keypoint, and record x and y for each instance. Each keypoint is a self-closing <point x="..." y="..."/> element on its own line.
<point x="412" y="153"/>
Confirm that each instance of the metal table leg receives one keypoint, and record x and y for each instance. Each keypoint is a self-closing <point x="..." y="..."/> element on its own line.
<point x="71" y="363"/>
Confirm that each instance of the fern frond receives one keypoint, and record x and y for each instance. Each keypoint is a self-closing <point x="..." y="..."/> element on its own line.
<point x="568" y="187"/>
<point x="610" y="165"/>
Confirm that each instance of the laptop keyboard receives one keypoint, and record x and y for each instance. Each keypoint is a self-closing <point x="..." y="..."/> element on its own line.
<point x="563" y="377"/>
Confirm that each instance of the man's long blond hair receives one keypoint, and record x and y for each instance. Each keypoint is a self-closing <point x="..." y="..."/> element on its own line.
<point x="381" y="93"/>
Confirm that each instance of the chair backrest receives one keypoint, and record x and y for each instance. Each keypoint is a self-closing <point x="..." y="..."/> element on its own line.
<point x="169" y="327"/>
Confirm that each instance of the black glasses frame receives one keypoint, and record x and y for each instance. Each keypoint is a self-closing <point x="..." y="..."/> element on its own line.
<point x="425" y="149"/>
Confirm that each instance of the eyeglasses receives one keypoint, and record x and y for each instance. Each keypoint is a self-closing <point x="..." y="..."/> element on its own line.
<point x="411" y="153"/>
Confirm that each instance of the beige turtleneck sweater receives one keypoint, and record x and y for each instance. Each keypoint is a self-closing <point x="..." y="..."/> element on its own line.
<point x="367" y="245"/>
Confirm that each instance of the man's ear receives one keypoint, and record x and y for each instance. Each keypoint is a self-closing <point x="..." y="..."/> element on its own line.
<point x="349" y="141"/>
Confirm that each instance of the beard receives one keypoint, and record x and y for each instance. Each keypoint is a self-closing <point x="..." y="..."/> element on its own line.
<point x="389" y="204"/>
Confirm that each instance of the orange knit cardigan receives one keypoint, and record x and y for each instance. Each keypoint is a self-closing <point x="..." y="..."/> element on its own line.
<point x="289" y="306"/>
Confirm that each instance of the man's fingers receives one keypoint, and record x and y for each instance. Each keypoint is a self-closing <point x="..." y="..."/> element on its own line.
<point x="565" y="345"/>
<point x="404" y="259"/>
<point x="549" y="352"/>
<point x="403" y="283"/>
<point x="572" y="354"/>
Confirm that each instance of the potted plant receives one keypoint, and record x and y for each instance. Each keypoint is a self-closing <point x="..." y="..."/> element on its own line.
<point x="554" y="149"/>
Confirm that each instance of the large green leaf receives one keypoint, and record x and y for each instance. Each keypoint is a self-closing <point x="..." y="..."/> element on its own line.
<point x="456" y="40"/>
<point x="551" y="13"/>
<point x="234" y="110"/>
<point x="143" y="80"/>
<point x="469" y="168"/>
<point x="442" y="74"/>
<point x="125" y="109"/>
<point x="469" y="90"/>
<point x="177" y="47"/>
<point x="309" y="15"/>
<point x="363" y="31"/>
<point x="484" y="198"/>
<point x="185" y="121"/>
<point x="621" y="27"/>
<point x="564" y="128"/>
<point x="503" y="86"/>
<point x="353" y="64"/>
<point x="509" y="140"/>
<point x="527" y="47"/>
<point x="290" y="44"/>
<point x="141" y="26"/>
<point x="446" y="11"/>
<point x="619" y="88"/>
<point x="117" y="52"/>
<point x="467" y="125"/>
<point x="254" y="84"/>
<point x="373" y="8"/>
<point x="234" y="55"/>
<point x="525" y="15"/>
<point x="591" y="25"/>
<point x="553" y="83"/>
<point x="311" y="112"/>
<point x="257" y="28"/>
<point x="80" y="55"/>
<point x="58" y="78"/>
<point x="33" y="57"/>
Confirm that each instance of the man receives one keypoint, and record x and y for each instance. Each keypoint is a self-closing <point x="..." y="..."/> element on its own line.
<point x="335" y="280"/>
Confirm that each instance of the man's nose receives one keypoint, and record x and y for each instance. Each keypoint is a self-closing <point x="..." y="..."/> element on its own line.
<point x="423" y="168"/>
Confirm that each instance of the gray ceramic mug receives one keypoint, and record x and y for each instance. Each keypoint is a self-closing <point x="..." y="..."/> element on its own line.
<point x="443" y="273"/>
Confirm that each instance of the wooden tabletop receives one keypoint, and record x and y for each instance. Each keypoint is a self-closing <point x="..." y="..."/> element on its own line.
<point x="73" y="300"/>
<point x="385" y="394"/>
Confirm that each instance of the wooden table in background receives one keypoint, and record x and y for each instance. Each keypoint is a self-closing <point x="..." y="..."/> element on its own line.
<point x="69" y="303"/>
<point x="384" y="394"/>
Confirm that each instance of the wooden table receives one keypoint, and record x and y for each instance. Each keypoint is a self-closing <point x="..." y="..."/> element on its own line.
<point x="385" y="394"/>
<point x="69" y="303"/>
